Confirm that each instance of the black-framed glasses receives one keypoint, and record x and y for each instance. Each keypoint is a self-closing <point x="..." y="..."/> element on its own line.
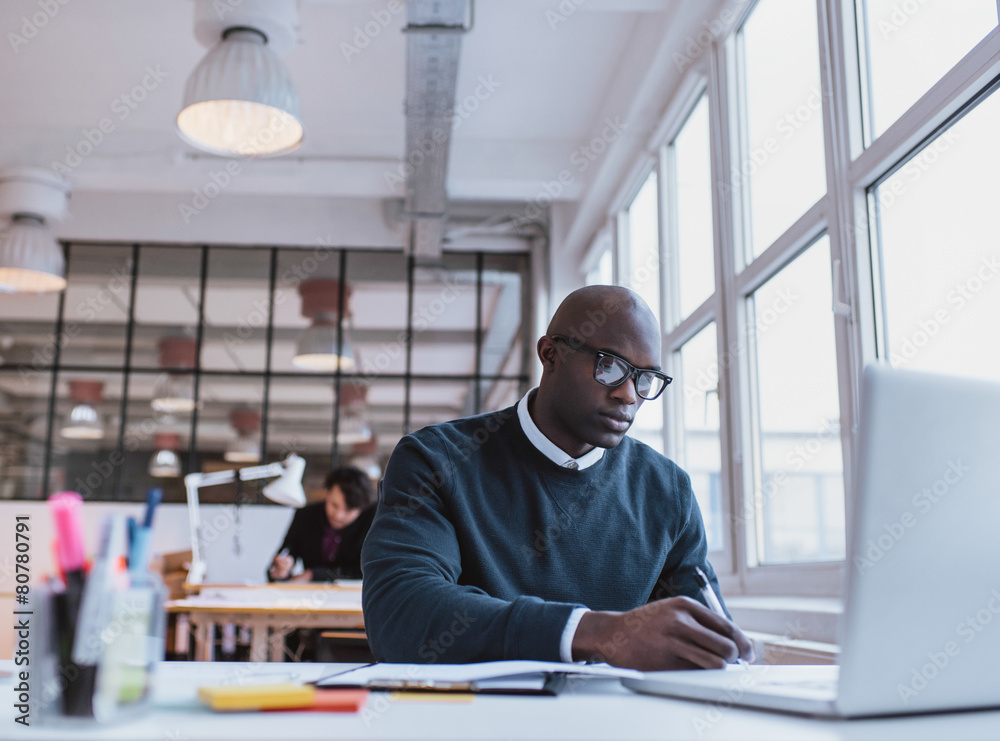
<point x="610" y="370"/>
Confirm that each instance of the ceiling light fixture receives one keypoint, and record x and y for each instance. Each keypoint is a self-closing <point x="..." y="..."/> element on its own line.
<point x="240" y="101"/>
<point x="173" y="393"/>
<point x="83" y="422"/>
<point x="317" y="349"/>
<point x="31" y="261"/>
<point x="245" y="447"/>
<point x="164" y="463"/>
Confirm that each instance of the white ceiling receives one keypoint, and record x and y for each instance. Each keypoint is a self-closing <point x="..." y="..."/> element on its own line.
<point x="548" y="73"/>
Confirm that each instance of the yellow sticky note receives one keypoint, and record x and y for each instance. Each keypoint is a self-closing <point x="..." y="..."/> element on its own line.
<point x="432" y="697"/>
<point x="258" y="696"/>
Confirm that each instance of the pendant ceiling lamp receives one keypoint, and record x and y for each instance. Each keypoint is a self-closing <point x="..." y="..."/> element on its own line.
<point x="31" y="261"/>
<point x="241" y="101"/>
<point x="164" y="462"/>
<point x="173" y="393"/>
<point x="317" y="348"/>
<point x="83" y="421"/>
<point x="245" y="447"/>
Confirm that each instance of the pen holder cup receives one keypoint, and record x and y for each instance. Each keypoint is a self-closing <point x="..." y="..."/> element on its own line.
<point x="98" y="667"/>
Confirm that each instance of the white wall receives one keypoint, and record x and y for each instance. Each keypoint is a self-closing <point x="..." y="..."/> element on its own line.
<point x="260" y="532"/>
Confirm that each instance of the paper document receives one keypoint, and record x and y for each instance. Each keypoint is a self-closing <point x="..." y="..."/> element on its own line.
<point x="487" y="670"/>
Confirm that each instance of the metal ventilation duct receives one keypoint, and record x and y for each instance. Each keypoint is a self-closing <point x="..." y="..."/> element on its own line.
<point x="433" y="45"/>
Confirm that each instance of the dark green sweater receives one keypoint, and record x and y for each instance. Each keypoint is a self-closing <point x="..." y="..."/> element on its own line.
<point x="481" y="546"/>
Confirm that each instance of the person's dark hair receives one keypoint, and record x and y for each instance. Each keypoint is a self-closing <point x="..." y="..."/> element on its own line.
<point x="357" y="487"/>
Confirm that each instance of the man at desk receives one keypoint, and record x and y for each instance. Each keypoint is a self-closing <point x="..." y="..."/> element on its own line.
<point x="327" y="535"/>
<point x="541" y="531"/>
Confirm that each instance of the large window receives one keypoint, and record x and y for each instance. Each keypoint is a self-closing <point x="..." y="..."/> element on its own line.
<point x="158" y="361"/>
<point x="826" y="201"/>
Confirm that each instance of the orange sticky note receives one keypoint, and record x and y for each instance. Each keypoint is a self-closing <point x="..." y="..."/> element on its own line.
<point x="334" y="701"/>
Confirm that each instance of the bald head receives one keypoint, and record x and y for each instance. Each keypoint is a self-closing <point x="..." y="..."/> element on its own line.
<point x="586" y="310"/>
<point x="572" y="408"/>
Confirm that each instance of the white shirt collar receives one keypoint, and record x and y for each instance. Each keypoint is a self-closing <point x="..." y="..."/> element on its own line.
<point x="548" y="448"/>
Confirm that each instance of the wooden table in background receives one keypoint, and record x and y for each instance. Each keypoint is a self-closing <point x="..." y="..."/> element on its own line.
<point x="271" y="611"/>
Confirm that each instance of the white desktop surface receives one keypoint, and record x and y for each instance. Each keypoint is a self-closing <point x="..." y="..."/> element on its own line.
<point x="600" y="709"/>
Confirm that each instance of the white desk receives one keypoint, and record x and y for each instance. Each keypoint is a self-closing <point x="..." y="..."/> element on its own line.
<point x="592" y="710"/>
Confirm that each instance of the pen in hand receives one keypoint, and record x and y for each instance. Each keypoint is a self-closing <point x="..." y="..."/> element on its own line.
<point x="708" y="594"/>
<point x="275" y="569"/>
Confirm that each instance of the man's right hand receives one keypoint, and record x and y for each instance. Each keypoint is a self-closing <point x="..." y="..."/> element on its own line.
<point x="281" y="567"/>
<point x="673" y="633"/>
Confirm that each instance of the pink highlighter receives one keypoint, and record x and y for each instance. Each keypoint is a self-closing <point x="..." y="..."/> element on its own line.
<point x="67" y="510"/>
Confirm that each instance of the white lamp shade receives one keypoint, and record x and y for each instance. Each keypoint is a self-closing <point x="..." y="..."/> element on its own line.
<point x="83" y="423"/>
<point x="165" y="464"/>
<point x="316" y="350"/>
<point x="241" y="100"/>
<point x="287" y="488"/>
<point x="31" y="260"/>
<point x="173" y="395"/>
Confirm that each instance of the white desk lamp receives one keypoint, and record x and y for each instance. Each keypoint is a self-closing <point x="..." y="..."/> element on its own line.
<point x="286" y="489"/>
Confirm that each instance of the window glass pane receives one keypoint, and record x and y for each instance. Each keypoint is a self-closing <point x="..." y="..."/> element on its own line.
<point x="236" y="310"/>
<point x="505" y="298"/>
<point x="166" y="306"/>
<point x="699" y="450"/>
<point x="643" y="231"/>
<point x="648" y="424"/>
<point x="385" y="410"/>
<point x="436" y="401"/>
<point x="695" y="279"/>
<point x="602" y="274"/>
<point x="782" y="162"/>
<point x="912" y="44"/>
<point x="798" y="503"/>
<point x="24" y="406"/>
<point x="307" y="328"/>
<point x="300" y="421"/>
<point x="444" y="316"/>
<point x="95" y="313"/>
<point x="27" y="330"/>
<point x="85" y="455"/>
<point x="229" y="422"/>
<point x="937" y="223"/>
<point x="378" y="311"/>
<point x="157" y="439"/>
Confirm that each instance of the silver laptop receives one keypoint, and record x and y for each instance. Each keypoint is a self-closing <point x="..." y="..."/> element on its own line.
<point x="921" y="625"/>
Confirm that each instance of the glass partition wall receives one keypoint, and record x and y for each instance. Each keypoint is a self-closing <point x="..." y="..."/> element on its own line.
<point x="157" y="361"/>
